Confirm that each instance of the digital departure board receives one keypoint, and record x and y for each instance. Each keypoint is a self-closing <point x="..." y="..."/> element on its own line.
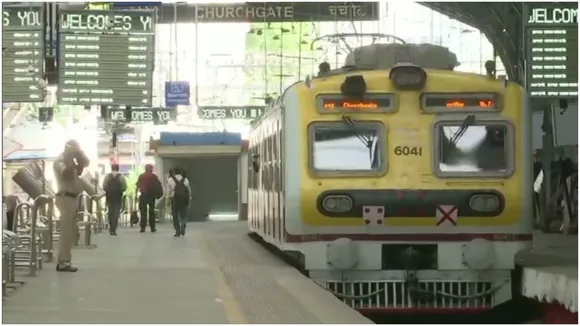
<point x="230" y="112"/>
<point x="22" y="54"/>
<point x="106" y="57"/>
<point x="334" y="103"/>
<point x="551" y="33"/>
<point x="459" y="102"/>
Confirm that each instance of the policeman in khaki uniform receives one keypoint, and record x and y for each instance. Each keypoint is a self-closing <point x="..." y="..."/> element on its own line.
<point x="67" y="169"/>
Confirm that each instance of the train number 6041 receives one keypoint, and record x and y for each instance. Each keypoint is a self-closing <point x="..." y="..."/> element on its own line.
<point x="408" y="151"/>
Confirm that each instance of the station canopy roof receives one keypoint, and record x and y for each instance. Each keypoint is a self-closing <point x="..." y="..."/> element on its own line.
<point x="501" y="22"/>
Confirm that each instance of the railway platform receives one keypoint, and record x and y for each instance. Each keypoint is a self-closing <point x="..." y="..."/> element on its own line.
<point x="215" y="274"/>
<point x="550" y="274"/>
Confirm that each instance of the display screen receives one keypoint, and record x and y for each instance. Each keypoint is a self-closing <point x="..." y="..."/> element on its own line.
<point x="230" y="112"/>
<point x="143" y="114"/>
<point x="106" y="57"/>
<point x="22" y="54"/>
<point x="371" y="103"/>
<point x="551" y="37"/>
<point x="443" y="102"/>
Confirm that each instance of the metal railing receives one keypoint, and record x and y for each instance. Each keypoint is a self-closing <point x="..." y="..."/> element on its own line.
<point x="86" y="221"/>
<point x="27" y="253"/>
<point x="45" y="225"/>
<point x="35" y="228"/>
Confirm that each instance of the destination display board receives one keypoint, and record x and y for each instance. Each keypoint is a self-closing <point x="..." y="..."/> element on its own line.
<point x="106" y="57"/>
<point x="551" y="34"/>
<point x="230" y="112"/>
<point x="142" y="114"/>
<point x="22" y="54"/>
<point x="268" y="12"/>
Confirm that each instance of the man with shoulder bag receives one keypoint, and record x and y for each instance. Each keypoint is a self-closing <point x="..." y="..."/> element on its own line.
<point x="114" y="185"/>
<point x="179" y="191"/>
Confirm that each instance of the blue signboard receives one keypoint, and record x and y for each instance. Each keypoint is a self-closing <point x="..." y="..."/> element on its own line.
<point x="176" y="93"/>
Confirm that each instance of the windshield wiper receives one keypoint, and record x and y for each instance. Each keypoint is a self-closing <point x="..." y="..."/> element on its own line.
<point x="366" y="140"/>
<point x="467" y="122"/>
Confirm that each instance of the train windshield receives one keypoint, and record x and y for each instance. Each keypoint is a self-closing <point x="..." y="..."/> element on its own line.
<point x="337" y="146"/>
<point x="481" y="148"/>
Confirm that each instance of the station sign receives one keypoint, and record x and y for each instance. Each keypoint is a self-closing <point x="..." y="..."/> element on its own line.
<point x="268" y="12"/>
<point x="551" y="36"/>
<point x="230" y="112"/>
<point x="142" y="115"/>
<point x="22" y="54"/>
<point x="106" y="57"/>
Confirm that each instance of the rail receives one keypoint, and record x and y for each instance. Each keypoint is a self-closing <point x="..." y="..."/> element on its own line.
<point x="26" y="229"/>
<point x="86" y="221"/>
<point x="46" y="226"/>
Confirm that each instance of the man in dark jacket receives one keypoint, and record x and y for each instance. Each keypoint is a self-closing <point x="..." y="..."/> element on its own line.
<point x="11" y="202"/>
<point x="149" y="185"/>
<point x="114" y="186"/>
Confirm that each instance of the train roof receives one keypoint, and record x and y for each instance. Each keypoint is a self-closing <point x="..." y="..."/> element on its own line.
<point x="386" y="56"/>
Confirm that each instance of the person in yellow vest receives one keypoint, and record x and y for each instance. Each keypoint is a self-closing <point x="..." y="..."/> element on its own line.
<point x="67" y="170"/>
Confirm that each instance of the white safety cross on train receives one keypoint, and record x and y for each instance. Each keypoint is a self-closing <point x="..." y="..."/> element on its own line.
<point x="446" y="213"/>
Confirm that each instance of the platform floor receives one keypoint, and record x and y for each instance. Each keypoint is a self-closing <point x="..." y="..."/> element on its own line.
<point x="551" y="269"/>
<point x="215" y="274"/>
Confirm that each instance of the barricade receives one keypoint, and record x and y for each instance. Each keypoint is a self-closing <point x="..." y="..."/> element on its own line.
<point x="10" y="243"/>
<point x="128" y="206"/>
<point x="26" y="255"/>
<point x="46" y="226"/>
<point x="85" y="221"/>
<point x="98" y="212"/>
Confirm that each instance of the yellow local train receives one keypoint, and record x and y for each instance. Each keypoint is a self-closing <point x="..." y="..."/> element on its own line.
<point x="398" y="187"/>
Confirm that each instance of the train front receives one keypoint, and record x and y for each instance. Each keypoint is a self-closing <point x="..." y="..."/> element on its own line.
<point x="415" y="196"/>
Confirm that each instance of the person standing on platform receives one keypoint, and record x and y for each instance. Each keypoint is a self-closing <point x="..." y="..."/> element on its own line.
<point x="114" y="186"/>
<point x="67" y="170"/>
<point x="179" y="192"/>
<point x="151" y="189"/>
<point x="11" y="202"/>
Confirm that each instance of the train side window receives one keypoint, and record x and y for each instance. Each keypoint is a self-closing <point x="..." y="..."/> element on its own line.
<point x="267" y="181"/>
<point x="276" y="161"/>
<point x="486" y="148"/>
<point x="281" y="159"/>
<point x="341" y="149"/>
<point x="251" y="169"/>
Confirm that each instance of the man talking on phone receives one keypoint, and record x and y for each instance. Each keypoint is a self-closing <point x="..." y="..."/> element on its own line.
<point x="67" y="169"/>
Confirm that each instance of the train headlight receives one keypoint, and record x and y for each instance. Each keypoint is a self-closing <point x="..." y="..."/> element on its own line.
<point x="408" y="77"/>
<point x="337" y="203"/>
<point x="484" y="203"/>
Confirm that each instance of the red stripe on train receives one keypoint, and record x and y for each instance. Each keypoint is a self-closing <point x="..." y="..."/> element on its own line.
<point x="425" y="237"/>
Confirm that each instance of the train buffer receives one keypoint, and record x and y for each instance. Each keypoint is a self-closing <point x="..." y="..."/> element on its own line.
<point x="550" y="275"/>
<point x="216" y="274"/>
